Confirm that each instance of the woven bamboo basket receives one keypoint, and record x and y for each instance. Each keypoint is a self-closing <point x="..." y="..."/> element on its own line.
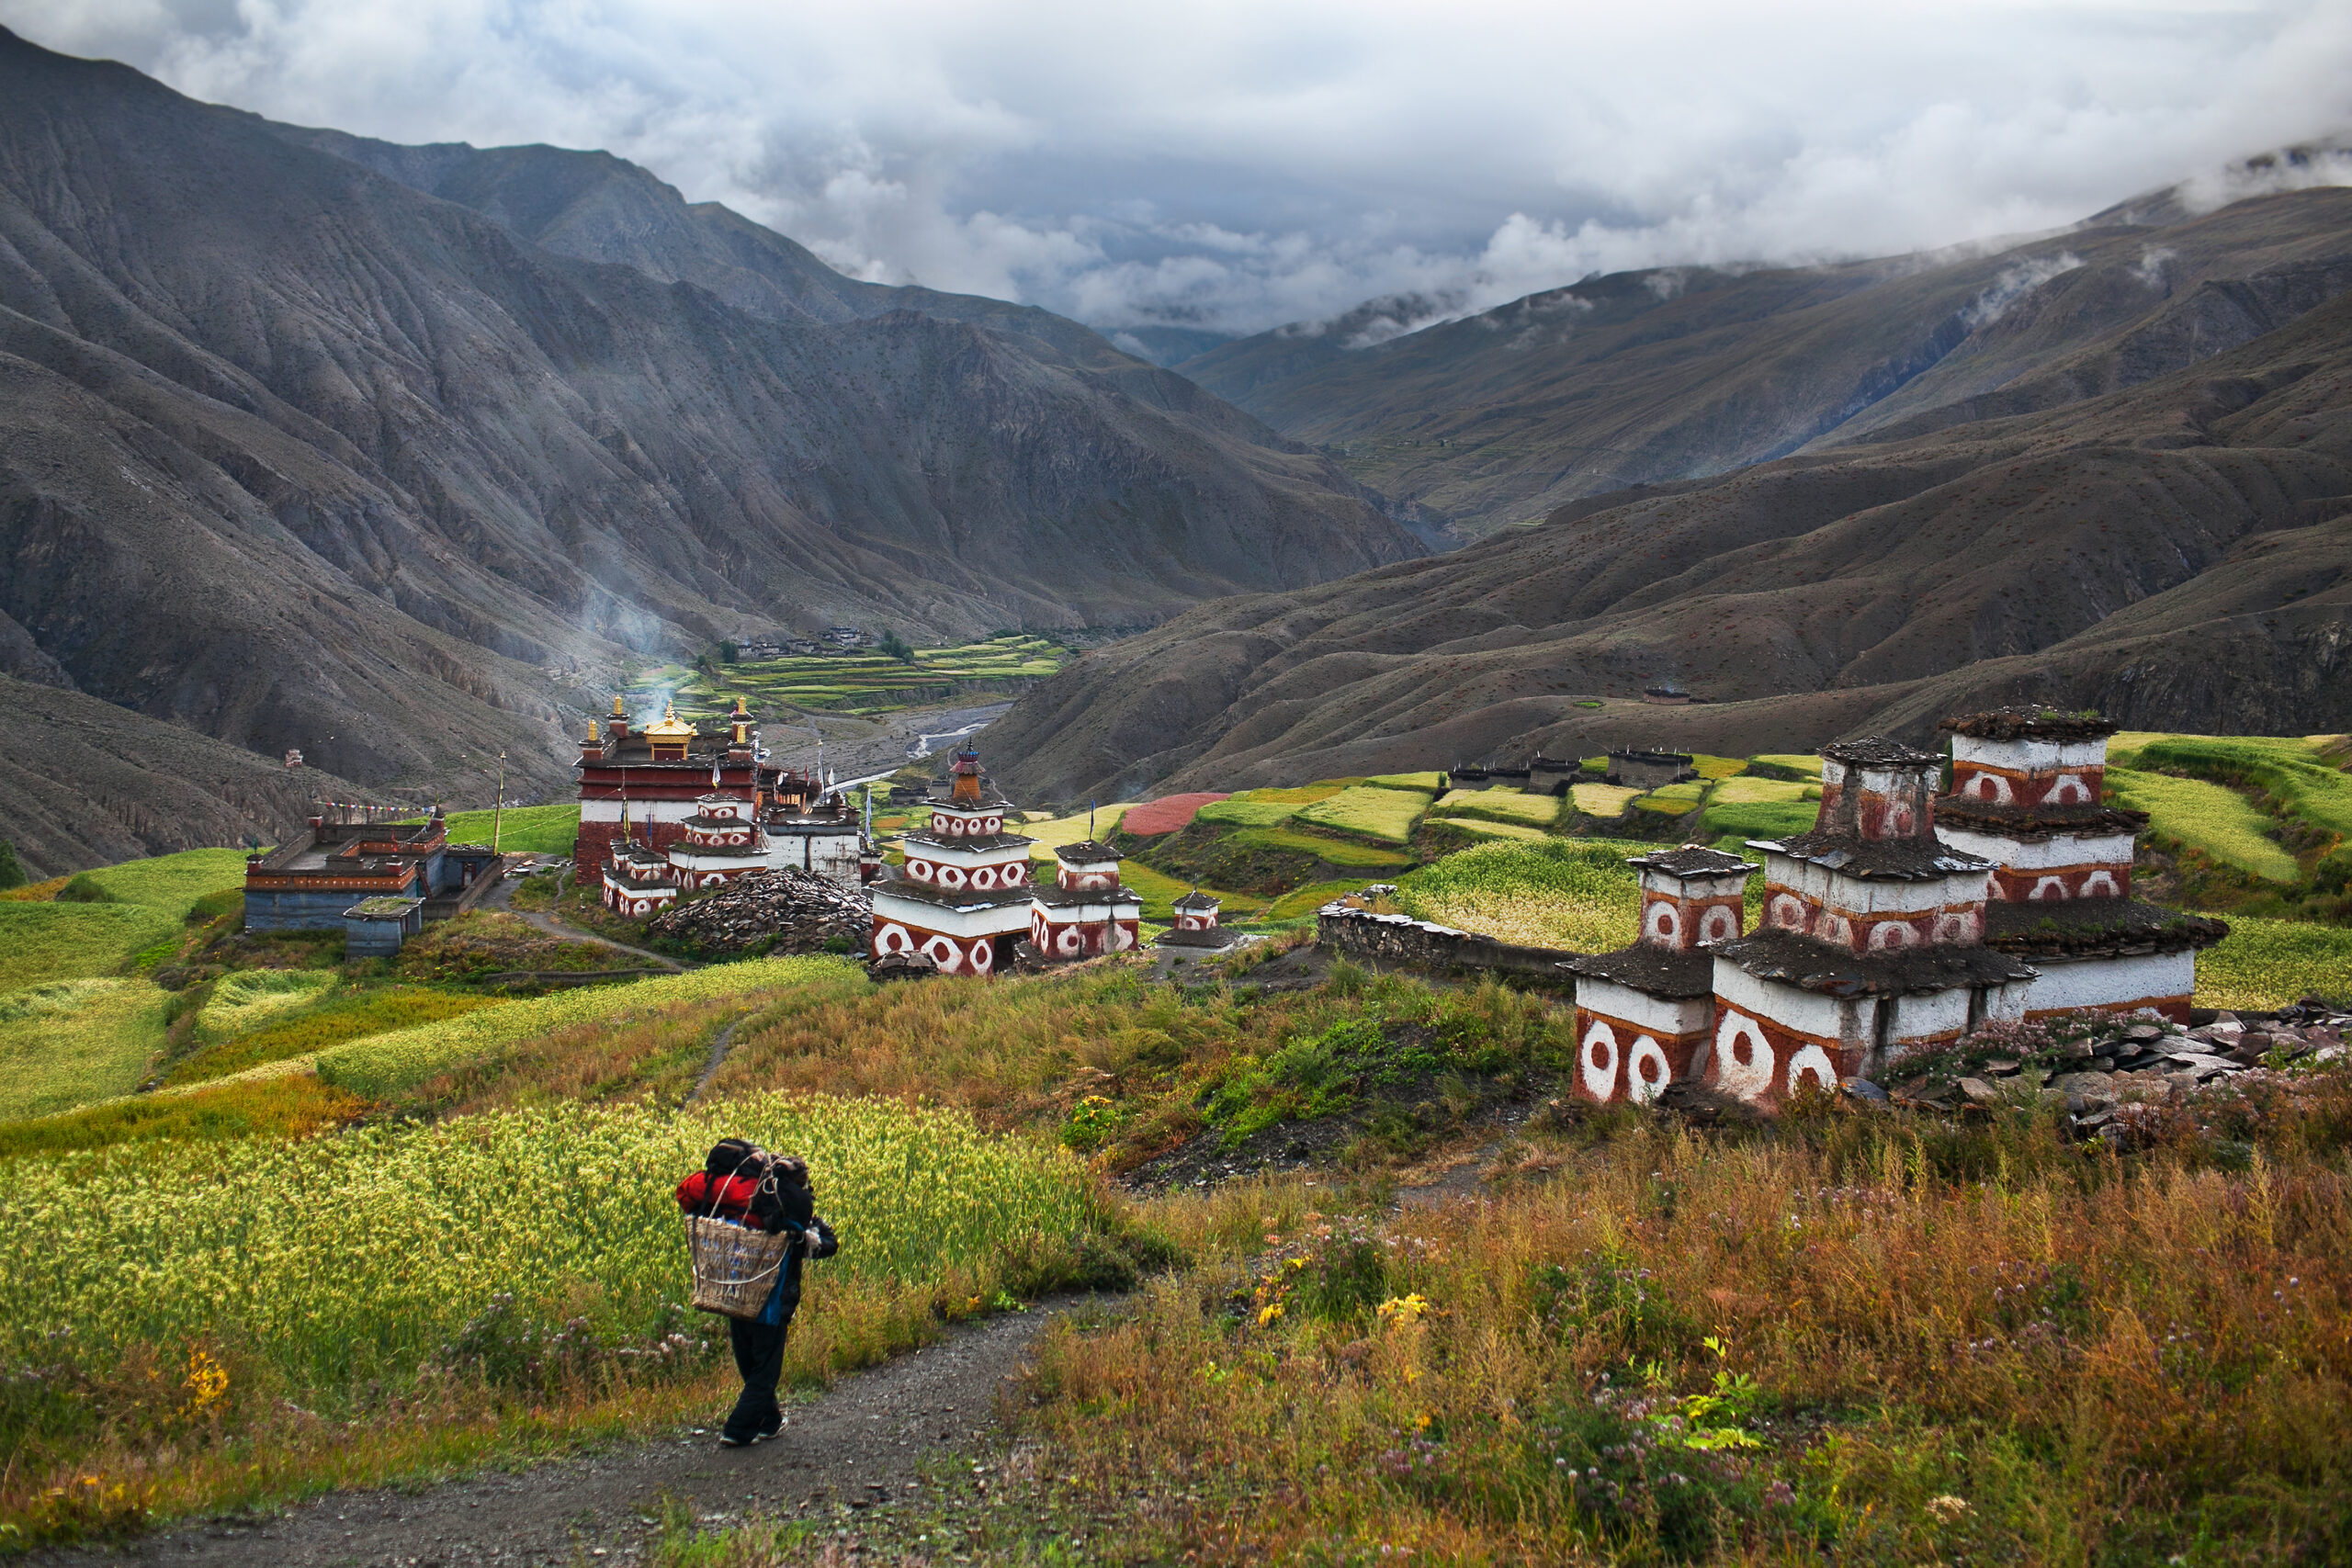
<point x="734" y="1266"/>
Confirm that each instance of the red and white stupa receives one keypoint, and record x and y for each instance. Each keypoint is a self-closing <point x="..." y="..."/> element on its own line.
<point x="2029" y="794"/>
<point x="962" y="899"/>
<point x="1645" y="1013"/>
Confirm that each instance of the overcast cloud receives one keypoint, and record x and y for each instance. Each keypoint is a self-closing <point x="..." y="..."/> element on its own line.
<point x="1236" y="165"/>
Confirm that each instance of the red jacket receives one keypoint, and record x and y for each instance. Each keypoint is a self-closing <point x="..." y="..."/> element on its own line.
<point x="725" y="1198"/>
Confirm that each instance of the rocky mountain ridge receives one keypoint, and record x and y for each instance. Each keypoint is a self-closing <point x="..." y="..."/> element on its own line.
<point x="2175" y="552"/>
<point x="1675" y="374"/>
<point x="297" y="453"/>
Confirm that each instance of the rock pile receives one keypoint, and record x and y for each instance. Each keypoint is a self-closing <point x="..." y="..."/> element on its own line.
<point x="771" y="911"/>
<point x="2100" y="1066"/>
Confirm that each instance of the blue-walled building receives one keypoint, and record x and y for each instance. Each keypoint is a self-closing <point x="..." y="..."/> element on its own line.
<point x="313" y="882"/>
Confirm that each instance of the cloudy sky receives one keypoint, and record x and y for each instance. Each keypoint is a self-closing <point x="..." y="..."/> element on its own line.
<point x="1236" y="166"/>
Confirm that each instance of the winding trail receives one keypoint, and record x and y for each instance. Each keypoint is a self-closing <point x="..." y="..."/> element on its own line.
<point x="718" y="1056"/>
<point x="857" y="1446"/>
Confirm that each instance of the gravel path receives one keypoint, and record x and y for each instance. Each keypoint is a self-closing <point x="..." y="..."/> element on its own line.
<point x="858" y="1444"/>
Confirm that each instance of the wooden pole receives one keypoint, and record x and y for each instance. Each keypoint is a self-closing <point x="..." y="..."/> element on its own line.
<point x="498" y="812"/>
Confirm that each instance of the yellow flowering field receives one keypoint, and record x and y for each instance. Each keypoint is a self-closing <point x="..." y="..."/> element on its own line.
<point x="535" y="1252"/>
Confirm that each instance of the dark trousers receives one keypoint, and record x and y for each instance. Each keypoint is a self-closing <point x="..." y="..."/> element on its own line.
<point x="759" y="1356"/>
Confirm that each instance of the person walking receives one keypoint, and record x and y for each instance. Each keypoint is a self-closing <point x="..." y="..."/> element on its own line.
<point x="745" y="1183"/>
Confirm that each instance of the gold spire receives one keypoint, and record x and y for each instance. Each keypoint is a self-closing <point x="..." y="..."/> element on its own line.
<point x="618" y="711"/>
<point x="594" y="734"/>
<point x="670" y="723"/>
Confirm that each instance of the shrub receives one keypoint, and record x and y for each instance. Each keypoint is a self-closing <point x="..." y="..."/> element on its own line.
<point x="12" y="870"/>
<point x="82" y="889"/>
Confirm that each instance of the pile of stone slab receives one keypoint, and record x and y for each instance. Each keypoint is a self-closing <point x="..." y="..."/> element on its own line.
<point x="2137" y="1062"/>
<point x="771" y="911"/>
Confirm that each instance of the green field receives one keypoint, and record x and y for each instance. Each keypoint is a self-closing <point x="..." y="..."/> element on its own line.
<point x="1675" y="799"/>
<point x="521" y="829"/>
<point x="173" y="882"/>
<point x="1372" y="810"/>
<point x="1428" y="783"/>
<point x="71" y="1042"/>
<point x="1238" y="812"/>
<point x="66" y="941"/>
<point x="1331" y="851"/>
<point x="1746" y="808"/>
<point x="1566" y="893"/>
<point x="2292" y="771"/>
<point x="382" y="1065"/>
<point x="2268" y="964"/>
<point x="1502" y="804"/>
<point x="1488" y="830"/>
<point x="1606" y="801"/>
<point x="2207" y="816"/>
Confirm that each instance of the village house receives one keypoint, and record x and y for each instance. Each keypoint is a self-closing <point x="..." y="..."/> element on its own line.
<point x="312" y="881"/>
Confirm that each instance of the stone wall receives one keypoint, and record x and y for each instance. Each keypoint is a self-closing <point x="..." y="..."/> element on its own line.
<point x="1399" y="940"/>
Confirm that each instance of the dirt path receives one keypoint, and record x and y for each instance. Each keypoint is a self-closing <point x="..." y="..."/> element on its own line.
<point x="858" y="1444"/>
<point x="718" y="1044"/>
<point x="556" y="927"/>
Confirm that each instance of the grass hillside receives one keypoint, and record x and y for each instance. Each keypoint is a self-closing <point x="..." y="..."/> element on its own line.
<point x="1735" y="1372"/>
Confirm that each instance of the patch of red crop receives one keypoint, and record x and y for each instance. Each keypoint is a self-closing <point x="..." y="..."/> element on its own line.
<point x="1167" y="814"/>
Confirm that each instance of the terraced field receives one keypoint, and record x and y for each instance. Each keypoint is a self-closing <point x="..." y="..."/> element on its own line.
<point x="862" y="682"/>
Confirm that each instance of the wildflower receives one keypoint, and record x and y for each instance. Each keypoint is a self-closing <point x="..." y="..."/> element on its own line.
<point x="1398" y="1311"/>
<point x="1947" y="1507"/>
<point x="1269" y="1314"/>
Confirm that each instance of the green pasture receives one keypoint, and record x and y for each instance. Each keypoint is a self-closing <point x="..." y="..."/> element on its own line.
<point x="173" y="883"/>
<point x="1331" y="851"/>
<point x="66" y="941"/>
<point x="1675" y="799"/>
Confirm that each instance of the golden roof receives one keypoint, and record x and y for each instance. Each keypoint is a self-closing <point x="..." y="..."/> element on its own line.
<point x="669" y="727"/>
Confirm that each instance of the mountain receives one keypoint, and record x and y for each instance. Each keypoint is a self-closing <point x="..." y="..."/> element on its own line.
<point x="396" y="454"/>
<point x="89" y="784"/>
<point x="1674" y="373"/>
<point x="2173" y="547"/>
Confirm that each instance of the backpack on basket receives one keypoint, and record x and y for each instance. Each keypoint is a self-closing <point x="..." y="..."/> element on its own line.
<point x="734" y="1266"/>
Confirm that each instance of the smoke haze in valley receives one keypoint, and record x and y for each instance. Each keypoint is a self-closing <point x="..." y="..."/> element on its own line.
<point x="1232" y="166"/>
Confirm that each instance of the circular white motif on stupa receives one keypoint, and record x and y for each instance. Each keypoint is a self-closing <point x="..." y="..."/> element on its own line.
<point x="2101" y="884"/>
<point x="2051" y="889"/>
<point x="1890" y="934"/>
<point x="951" y="877"/>
<point x="1718" y="924"/>
<point x="984" y="876"/>
<point x="983" y="957"/>
<point x="1661" y="922"/>
<point x="1743" y="1056"/>
<point x="1788" y="912"/>
<point x="1596" y="1059"/>
<point x="2068" y="789"/>
<point x="1646" y="1071"/>
<point x="1990" y="786"/>
<point x="892" y="937"/>
<point x="1071" y="939"/>
<point x="1118" y="939"/>
<point x="945" y="953"/>
<point x="1833" y="927"/>
<point x="1813" y="1061"/>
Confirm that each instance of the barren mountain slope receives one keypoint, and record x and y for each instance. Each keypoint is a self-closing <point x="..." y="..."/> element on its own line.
<point x="299" y="455"/>
<point x="1680" y="373"/>
<point x="2173" y="554"/>
<point x="90" y="784"/>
